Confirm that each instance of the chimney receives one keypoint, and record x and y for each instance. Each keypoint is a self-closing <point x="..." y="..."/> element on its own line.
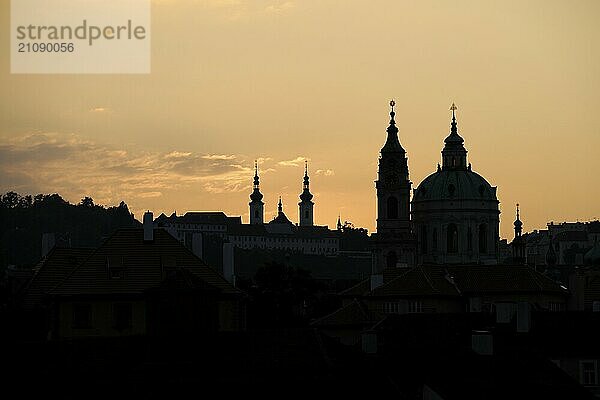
<point x="197" y="244"/>
<point x="48" y="242"/>
<point x="228" y="263"/>
<point x="523" y="316"/>
<point x="376" y="281"/>
<point x="482" y="342"/>
<point x="148" y="227"/>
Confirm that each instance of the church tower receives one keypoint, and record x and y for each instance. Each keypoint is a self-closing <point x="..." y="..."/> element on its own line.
<point x="393" y="184"/>
<point x="306" y="204"/>
<point x="393" y="244"/>
<point x="518" y="243"/>
<point x="257" y="207"/>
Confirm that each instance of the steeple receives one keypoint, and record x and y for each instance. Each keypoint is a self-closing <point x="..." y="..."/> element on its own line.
<point x="454" y="154"/>
<point x="256" y="204"/>
<point x="518" y="224"/>
<point x="281" y="218"/>
<point x="392" y="144"/>
<point x="393" y="184"/>
<point x="306" y="204"/>
<point x="518" y="243"/>
<point x="339" y="223"/>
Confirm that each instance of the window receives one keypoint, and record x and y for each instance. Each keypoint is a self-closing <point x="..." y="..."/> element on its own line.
<point x="391" y="307"/>
<point x="306" y="214"/>
<point x="122" y="315"/>
<point x="424" y="240"/>
<point x="392" y="207"/>
<point x="82" y="315"/>
<point x="452" y="239"/>
<point x="469" y="239"/>
<point x="116" y="270"/>
<point x="555" y="306"/>
<point x="255" y="213"/>
<point x="391" y="259"/>
<point x="483" y="238"/>
<point x="588" y="374"/>
<point x="415" y="306"/>
<point x="434" y="239"/>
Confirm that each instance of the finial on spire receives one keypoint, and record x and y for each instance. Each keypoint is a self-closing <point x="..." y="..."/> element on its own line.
<point x="453" y="108"/>
<point x="517" y="210"/>
<point x="305" y="167"/>
<point x="392" y="113"/>
<point x="255" y="167"/>
<point x="280" y="205"/>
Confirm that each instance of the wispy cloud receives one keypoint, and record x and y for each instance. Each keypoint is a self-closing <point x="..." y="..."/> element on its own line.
<point x="99" y="110"/>
<point x="325" y="172"/>
<point x="218" y="157"/>
<point x="71" y="165"/>
<point x="279" y="8"/>
<point x="293" y="163"/>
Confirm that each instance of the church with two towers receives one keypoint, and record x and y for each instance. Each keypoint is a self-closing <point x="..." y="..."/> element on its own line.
<point x="453" y="217"/>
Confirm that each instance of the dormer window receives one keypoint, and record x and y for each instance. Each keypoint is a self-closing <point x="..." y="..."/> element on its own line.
<point x="115" y="267"/>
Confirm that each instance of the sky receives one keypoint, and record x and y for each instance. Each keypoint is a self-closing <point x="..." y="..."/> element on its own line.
<point x="283" y="81"/>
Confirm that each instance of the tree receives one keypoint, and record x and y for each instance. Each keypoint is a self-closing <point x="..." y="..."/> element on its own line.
<point x="10" y="200"/>
<point x="87" y="202"/>
<point x="281" y="294"/>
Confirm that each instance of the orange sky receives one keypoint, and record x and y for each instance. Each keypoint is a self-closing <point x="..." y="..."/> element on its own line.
<point x="235" y="80"/>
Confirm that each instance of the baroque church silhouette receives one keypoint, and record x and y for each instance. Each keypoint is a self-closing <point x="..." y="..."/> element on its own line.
<point x="453" y="217"/>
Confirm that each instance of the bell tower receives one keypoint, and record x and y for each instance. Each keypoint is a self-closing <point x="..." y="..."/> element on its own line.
<point x="306" y="204"/>
<point x="393" y="244"/>
<point x="257" y="207"/>
<point x="393" y="184"/>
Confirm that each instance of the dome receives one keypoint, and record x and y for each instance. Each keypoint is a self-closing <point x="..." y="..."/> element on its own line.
<point x="454" y="184"/>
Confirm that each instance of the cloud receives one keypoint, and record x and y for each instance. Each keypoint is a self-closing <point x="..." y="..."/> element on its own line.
<point x="73" y="166"/>
<point x="218" y="157"/>
<point x="99" y="109"/>
<point x="296" y="162"/>
<point x="325" y="172"/>
<point x="279" y="8"/>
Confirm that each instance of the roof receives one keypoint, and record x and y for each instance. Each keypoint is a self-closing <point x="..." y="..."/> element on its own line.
<point x="281" y="218"/>
<point x="503" y="279"/>
<point x="436" y="280"/>
<point x="571" y="236"/>
<point x="142" y="263"/>
<point x="419" y="281"/>
<point x="454" y="184"/>
<point x="354" y="313"/>
<point x="201" y="217"/>
<point x="51" y="271"/>
<point x="360" y="289"/>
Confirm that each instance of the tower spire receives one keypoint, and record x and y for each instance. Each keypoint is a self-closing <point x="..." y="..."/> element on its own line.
<point x="454" y="154"/>
<point x="518" y="224"/>
<point x="256" y="204"/>
<point x="453" y="128"/>
<point x="280" y="206"/>
<point x="392" y="143"/>
<point x="306" y="204"/>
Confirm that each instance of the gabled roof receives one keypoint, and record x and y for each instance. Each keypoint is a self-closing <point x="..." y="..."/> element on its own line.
<point x="142" y="264"/>
<point x="439" y="280"/>
<point x="419" y="281"/>
<point x="360" y="289"/>
<point x="503" y="279"/>
<point x="355" y="313"/>
<point x="51" y="271"/>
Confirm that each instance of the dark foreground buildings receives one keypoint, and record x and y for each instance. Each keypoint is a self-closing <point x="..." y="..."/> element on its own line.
<point x="431" y="306"/>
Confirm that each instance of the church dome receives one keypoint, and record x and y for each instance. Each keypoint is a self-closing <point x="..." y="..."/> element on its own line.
<point x="455" y="184"/>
